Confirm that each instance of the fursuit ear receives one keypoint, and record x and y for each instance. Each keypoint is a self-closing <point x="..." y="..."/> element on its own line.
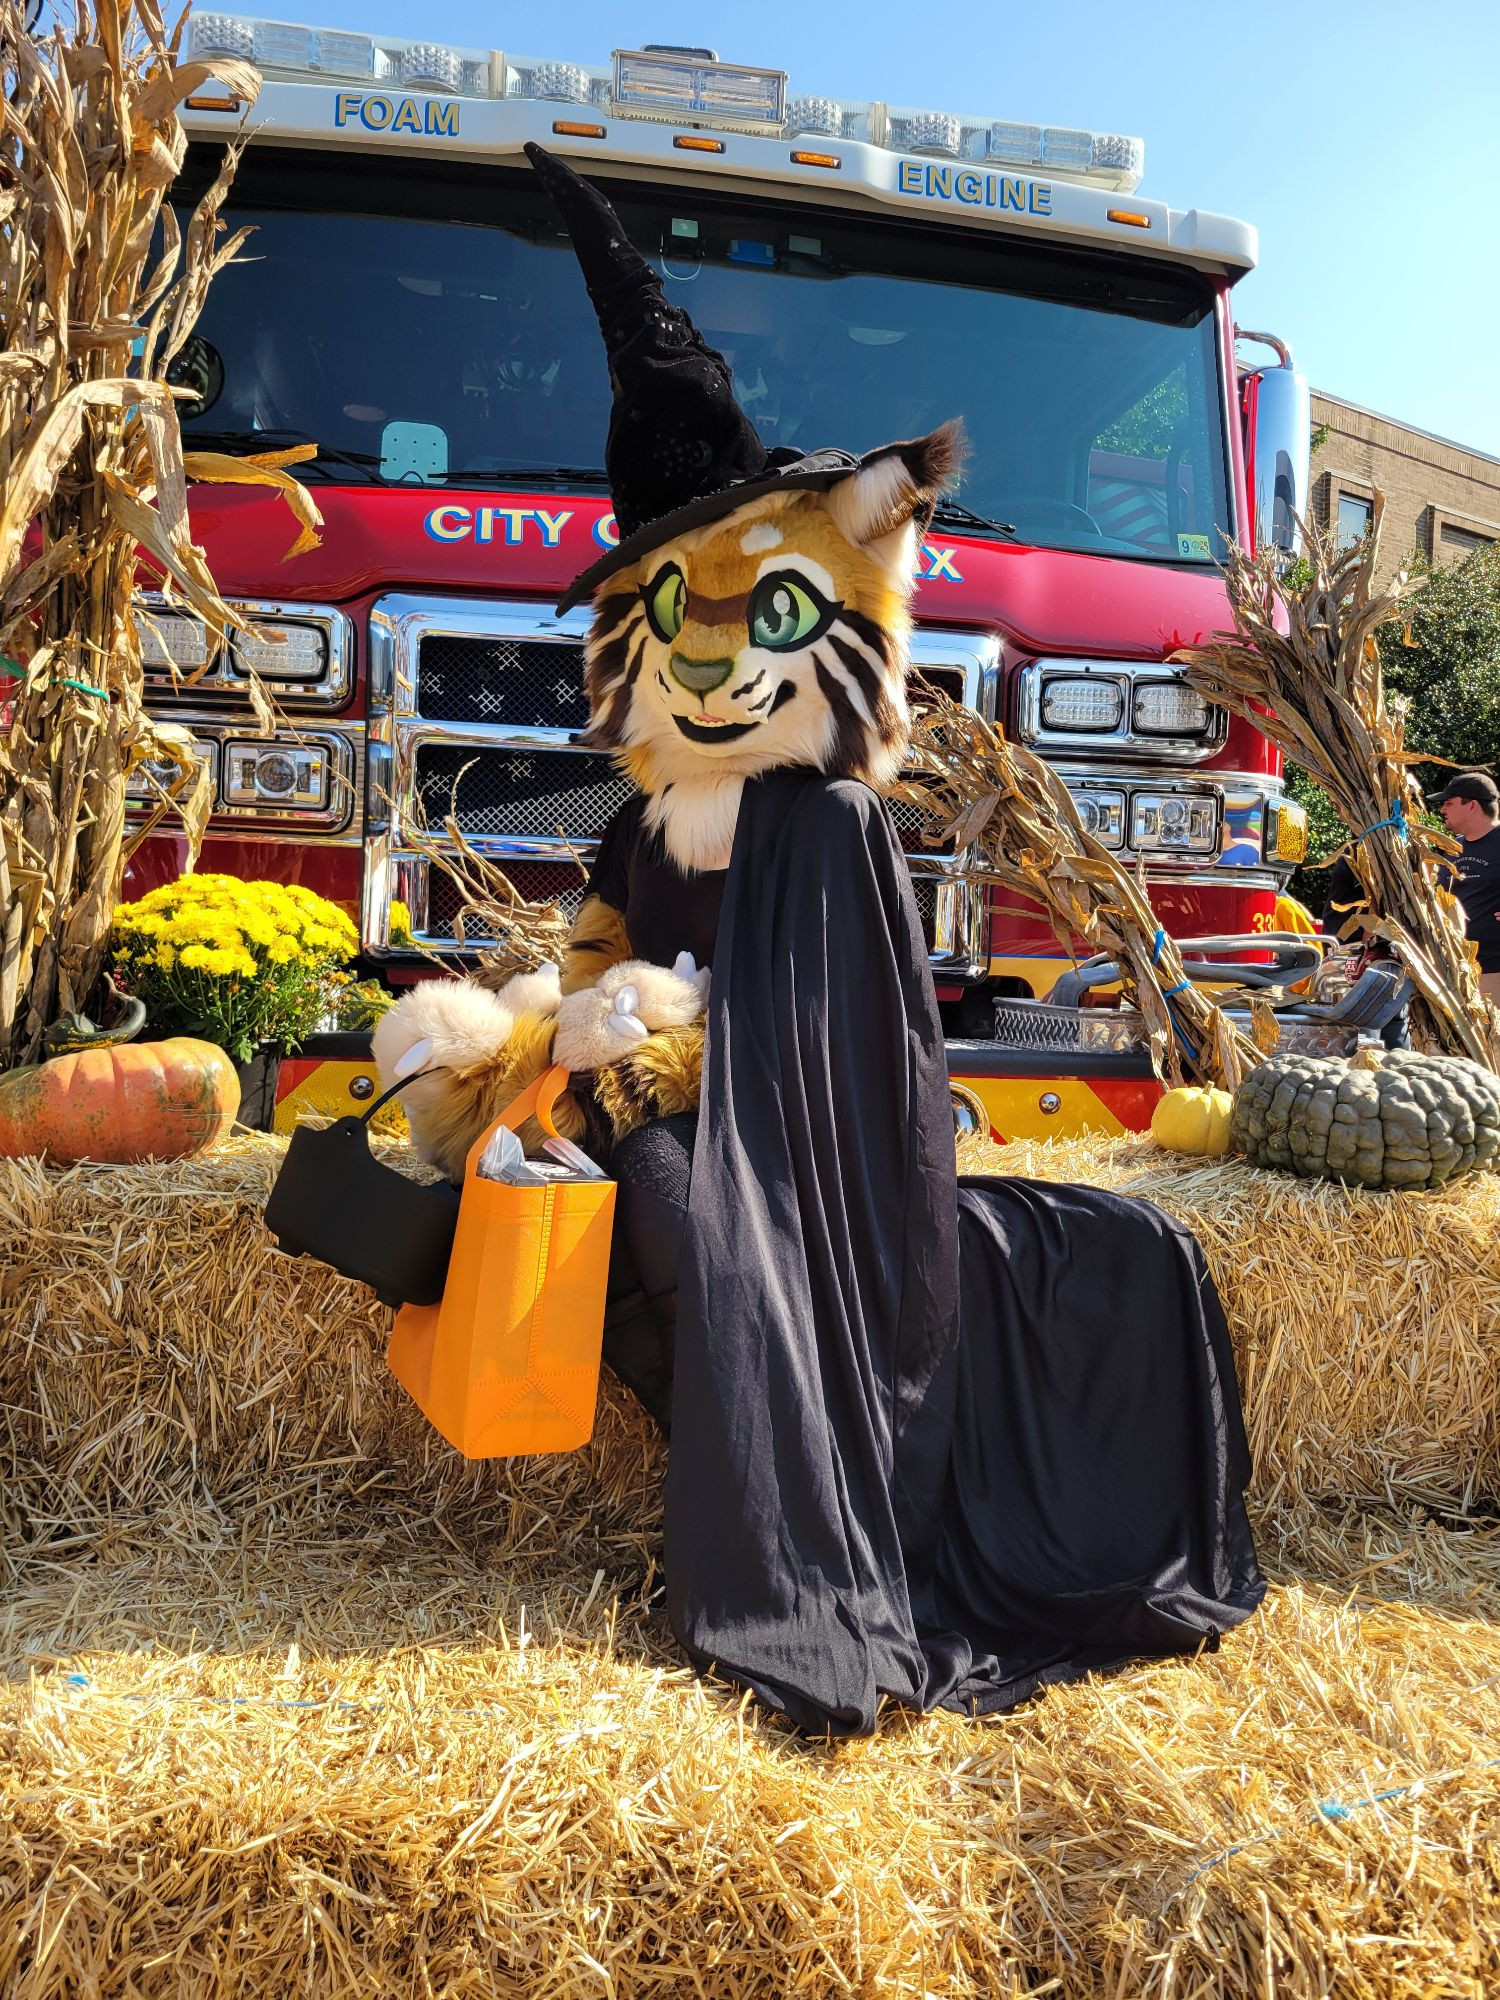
<point x="898" y="483"/>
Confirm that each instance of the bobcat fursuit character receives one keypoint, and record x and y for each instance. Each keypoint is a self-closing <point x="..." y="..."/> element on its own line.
<point x="932" y="1442"/>
<point x="775" y="640"/>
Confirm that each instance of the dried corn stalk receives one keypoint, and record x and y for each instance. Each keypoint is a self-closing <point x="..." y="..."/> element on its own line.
<point x="493" y="916"/>
<point x="99" y="289"/>
<point x="1315" y="690"/>
<point x="1019" y="819"/>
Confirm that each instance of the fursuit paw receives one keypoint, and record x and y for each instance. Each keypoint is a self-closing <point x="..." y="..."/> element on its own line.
<point x="604" y="1022"/>
<point x="466" y="1056"/>
<point x="538" y="992"/>
<point x="449" y="1024"/>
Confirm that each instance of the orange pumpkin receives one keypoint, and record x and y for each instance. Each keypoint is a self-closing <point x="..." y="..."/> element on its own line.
<point x="140" y="1101"/>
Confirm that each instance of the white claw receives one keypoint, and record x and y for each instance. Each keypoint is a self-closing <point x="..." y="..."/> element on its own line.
<point x="624" y="1021"/>
<point x="415" y="1058"/>
<point x="685" y="965"/>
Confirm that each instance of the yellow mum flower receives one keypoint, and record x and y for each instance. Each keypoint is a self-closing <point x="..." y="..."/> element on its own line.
<point x="223" y="934"/>
<point x="283" y="951"/>
<point x="166" y="958"/>
<point x="258" y="928"/>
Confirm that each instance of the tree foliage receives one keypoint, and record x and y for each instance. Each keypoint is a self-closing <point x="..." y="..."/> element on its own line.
<point x="1152" y="424"/>
<point x="1444" y="662"/>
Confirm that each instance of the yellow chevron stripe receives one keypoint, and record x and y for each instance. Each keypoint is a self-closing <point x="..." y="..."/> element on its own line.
<point x="1015" y="1106"/>
<point x="326" y="1093"/>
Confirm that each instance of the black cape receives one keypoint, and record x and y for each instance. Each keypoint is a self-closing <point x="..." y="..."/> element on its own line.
<point x="929" y="1443"/>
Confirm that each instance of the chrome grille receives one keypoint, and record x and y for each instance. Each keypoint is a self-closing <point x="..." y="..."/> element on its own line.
<point x="945" y="679"/>
<point x="925" y="889"/>
<point x="538" y="881"/>
<point x="913" y="828"/>
<point x="515" y="683"/>
<point x="486" y="695"/>
<point x="1037" y="1028"/>
<point x="523" y="793"/>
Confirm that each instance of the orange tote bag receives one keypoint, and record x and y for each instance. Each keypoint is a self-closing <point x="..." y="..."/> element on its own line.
<point x="507" y="1362"/>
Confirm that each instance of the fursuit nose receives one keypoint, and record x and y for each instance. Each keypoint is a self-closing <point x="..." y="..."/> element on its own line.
<point x="700" y="676"/>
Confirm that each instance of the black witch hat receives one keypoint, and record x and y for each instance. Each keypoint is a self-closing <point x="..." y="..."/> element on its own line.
<point x="680" y="451"/>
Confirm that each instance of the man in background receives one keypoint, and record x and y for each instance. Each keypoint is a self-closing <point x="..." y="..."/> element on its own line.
<point x="1470" y="806"/>
<point x="1345" y="897"/>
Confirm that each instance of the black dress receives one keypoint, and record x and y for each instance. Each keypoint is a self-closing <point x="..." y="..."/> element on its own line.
<point x="932" y="1442"/>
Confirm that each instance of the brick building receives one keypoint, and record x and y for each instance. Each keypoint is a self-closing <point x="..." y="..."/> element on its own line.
<point x="1440" y="498"/>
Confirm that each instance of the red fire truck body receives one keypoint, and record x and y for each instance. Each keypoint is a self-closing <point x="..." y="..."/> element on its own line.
<point x="413" y="308"/>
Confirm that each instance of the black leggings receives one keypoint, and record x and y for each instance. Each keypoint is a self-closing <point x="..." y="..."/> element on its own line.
<point x="652" y="1170"/>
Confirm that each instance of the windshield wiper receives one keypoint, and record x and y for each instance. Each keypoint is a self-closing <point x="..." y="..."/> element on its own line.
<point x="956" y="515"/>
<point x="245" y="444"/>
<point x="519" y="475"/>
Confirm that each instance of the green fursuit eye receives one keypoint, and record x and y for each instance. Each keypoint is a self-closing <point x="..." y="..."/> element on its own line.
<point x="785" y="612"/>
<point x="666" y="602"/>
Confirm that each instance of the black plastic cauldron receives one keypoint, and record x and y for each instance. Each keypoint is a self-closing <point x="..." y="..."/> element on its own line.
<point x="333" y="1200"/>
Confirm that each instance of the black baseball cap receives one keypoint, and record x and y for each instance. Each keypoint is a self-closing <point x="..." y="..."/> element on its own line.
<point x="1476" y="785"/>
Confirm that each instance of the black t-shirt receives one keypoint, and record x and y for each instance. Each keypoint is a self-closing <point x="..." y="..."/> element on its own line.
<point x="665" y="911"/>
<point x="1476" y="883"/>
<point x="1345" y="895"/>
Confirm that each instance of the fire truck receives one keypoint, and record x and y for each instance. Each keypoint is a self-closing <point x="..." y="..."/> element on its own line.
<point x="408" y="302"/>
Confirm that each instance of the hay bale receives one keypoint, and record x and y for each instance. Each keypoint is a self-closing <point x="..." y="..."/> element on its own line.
<point x="154" y="1345"/>
<point x="292" y="1700"/>
<point x="351" y="1756"/>
<point x="1366" y="1326"/>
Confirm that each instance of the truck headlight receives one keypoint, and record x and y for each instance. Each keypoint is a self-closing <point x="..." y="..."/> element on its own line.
<point x="1102" y="815"/>
<point x="148" y="781"/>
<point x="170" y="642"/>
<point x="1169" y="708"/>
<point x="1177" y="822"/>
<point x="293" y="776"/>
<point x="1085" y="703"/>
<point x="277" y="652"/>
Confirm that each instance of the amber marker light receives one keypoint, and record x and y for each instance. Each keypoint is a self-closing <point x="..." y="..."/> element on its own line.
<point x="694" y="142"/>
<point x="565" y="128"/>
<point x="214" y="103"/>
<point x="1129" y="217"/>
<point x="816" y="160"/>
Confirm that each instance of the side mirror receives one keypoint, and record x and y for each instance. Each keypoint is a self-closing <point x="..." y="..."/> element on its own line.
<point x="1278" y="428"/>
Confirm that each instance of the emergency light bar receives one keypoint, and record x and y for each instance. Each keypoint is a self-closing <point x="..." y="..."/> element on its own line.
<point x="650" y="83"/>
<point x="669" y="86"/>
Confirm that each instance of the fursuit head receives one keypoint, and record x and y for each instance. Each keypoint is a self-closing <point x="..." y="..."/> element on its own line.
<point x="775" y="636"/>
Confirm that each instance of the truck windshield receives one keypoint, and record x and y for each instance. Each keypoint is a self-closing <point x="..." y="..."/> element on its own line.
<point x="428" y="324"/>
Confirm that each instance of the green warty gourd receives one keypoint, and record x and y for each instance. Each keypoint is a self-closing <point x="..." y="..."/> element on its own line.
<point x="1385" y="1119"/>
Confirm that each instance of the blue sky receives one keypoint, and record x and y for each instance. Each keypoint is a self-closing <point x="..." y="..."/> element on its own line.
<point x="1361" y="140"/>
